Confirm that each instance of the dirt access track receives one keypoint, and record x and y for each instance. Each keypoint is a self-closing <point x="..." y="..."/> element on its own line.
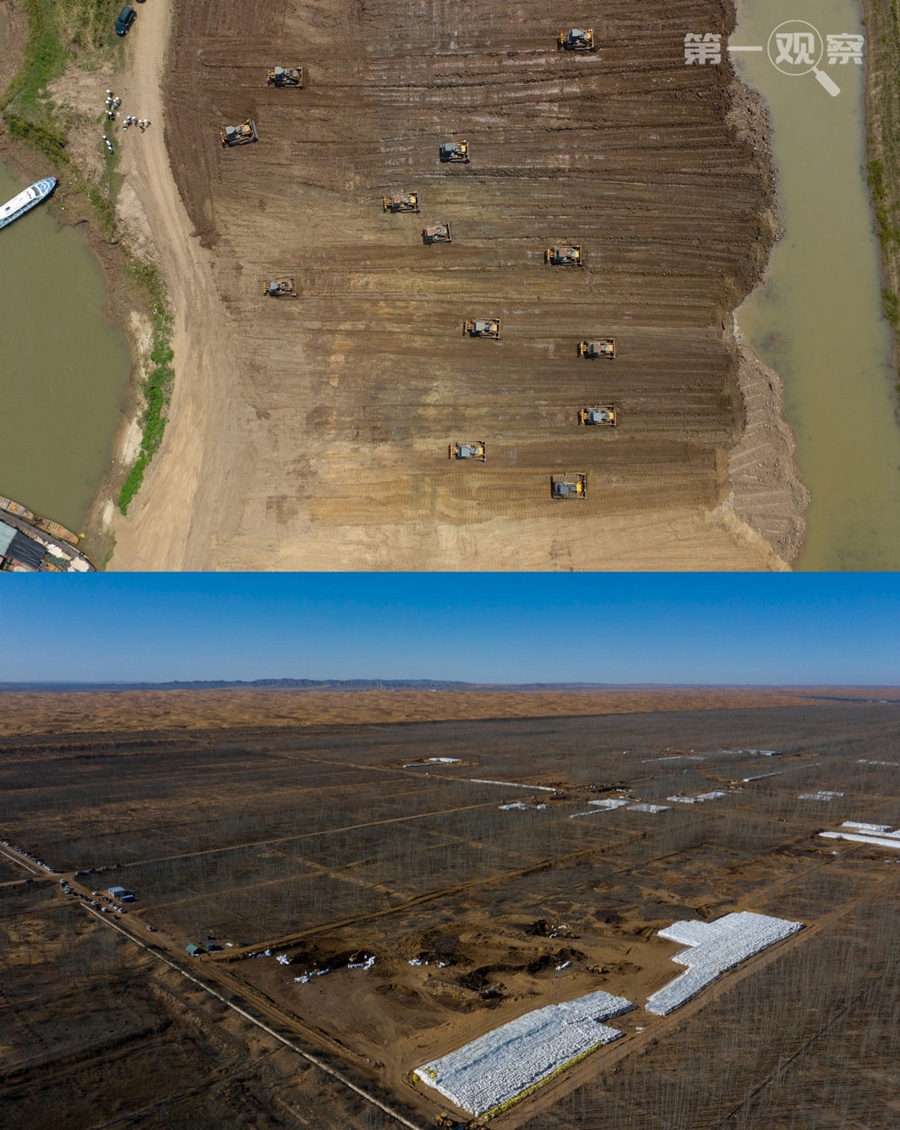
<point x="321" y="438"/>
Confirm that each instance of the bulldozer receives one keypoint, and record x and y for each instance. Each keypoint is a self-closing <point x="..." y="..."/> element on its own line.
<point x="281" y="288"/>
<point x="603" y="416"/>
<point x="285" y="76"/>
<point x="436" y="233"/>
<point x="600" y="347"/>
<point x="563" y="256"/>
<point x="455" y="151"/>
<point x="487" y="327"/>
<point x="475" y="449"/>
<point x="575" y="40"/>
<point x="239" y="135"/>
<point x="568" y="485"/>
<point x="401" y="202"/>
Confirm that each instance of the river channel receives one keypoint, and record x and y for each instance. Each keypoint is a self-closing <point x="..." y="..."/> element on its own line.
<point x="817" y="317"/>
<point x="63" y="366"/>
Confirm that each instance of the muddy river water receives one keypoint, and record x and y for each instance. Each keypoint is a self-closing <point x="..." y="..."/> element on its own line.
<point x="817" y="318"/>
<point x="63" y="366"/>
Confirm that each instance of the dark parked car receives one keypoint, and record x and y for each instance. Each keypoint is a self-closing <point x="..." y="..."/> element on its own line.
<point x="126" y="18"/>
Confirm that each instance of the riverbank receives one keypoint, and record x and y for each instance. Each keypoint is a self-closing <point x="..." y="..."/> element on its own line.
<point x="768" y="496"/>
<point x="83" y="200"/>
<point x="882" y="23"/>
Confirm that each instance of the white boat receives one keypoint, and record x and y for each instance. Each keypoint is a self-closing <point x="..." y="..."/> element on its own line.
<point x="26" y="200"/>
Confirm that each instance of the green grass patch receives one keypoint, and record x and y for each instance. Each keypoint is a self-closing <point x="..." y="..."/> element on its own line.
<point x="891" y="302"/>
<point x="45" y="60"/>
<point x="157" y="388"/>
<point x="80" y="32"/>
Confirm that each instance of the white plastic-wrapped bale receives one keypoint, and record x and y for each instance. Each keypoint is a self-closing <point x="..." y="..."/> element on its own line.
<point x="715" y="947"/>
<point x="494" y="1069"/>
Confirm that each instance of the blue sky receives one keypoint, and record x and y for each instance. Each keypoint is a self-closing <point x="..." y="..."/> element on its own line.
<point x="619" y="628"/>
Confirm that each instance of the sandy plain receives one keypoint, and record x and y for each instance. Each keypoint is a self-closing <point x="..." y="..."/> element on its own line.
<point x="123" y="711"/>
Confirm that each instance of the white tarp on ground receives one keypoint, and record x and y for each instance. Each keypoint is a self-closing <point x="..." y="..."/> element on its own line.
<point x="888" y="840"/>
<point x="823" y="794"/>
<point x="513" y="785"/>
<point x="875" y="829"/>
<point x="500" y="1065"/>
<point x="609" y="802"/>
<point x="648" y="808"/>
<point x="715" y="947"/>
<point x="697" y="799"/>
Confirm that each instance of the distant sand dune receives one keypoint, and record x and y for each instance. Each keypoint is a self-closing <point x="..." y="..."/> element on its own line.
<point x="130" y="711"/>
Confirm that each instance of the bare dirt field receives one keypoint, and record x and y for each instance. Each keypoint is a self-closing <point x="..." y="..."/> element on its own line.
<point x="333" y="843"/>
<point x="313" y="432"/>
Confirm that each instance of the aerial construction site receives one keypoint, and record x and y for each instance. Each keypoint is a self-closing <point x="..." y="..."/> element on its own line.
<point x="417" y="176"/>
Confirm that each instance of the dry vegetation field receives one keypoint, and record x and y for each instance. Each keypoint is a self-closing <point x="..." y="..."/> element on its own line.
<point x="329" y="843"/>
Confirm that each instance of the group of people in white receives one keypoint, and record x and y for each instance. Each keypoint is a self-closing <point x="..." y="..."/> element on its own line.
<point x="113" y="102"/>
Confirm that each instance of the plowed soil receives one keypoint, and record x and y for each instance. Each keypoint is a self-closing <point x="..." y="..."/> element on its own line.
<point x="325" y="431"/>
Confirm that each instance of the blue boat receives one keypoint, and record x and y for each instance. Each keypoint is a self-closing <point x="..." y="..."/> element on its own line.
<point x="26" y="200"/>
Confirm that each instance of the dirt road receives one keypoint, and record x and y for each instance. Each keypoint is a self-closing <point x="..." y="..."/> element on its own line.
<point x="312" y="433"/>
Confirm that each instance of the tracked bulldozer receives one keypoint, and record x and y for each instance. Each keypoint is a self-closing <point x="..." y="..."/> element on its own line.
<point x="401" y="202"/>
<point x="487" y="327"/>
<point x="475" y="449"/>
<point x="285" y="76"/>
<point x="239" y="135"/>
<point x="575" y="40"/>
<point x="563" y="256"/>
<point x="436" y="233"/>
<point x="281" y="288"/>
<point x="455" y="151"/>
<point x="600" y="347"/>
<point x="568" y="485"/>
<point x="603" y="416"/>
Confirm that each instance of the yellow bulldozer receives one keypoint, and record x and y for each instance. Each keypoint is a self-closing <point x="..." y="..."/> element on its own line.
<point x="563" y="256"/>
<point x="475" y="449"/>
<point x="285" y="76"/>
<point x="239" y="135"/>
<point x="603" y="416"/>
<point x="455" y="151"/>
<point x="568" y="485"/>
<point x="600" y="347"/>
<point x="281" y="288"/>
<point x="575" y="40"/>
<point x="436" y="233"/>
<point x="486" y="327"/>
<point x="401" y="202"/>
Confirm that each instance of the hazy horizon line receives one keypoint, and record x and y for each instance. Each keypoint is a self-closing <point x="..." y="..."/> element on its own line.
<point x="405" y="683"/>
